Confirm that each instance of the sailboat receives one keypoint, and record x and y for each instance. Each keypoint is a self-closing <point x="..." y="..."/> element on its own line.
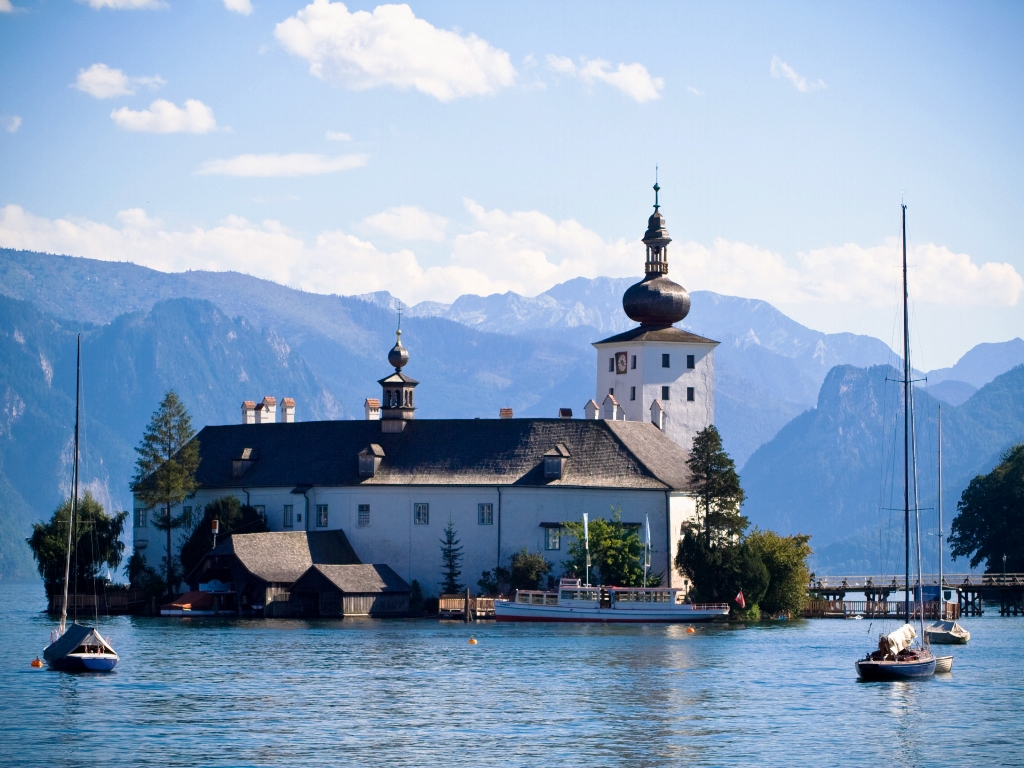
<point x="77" y="648"/>
<point x="897" y="658"/>
<point x="944" y="632"/>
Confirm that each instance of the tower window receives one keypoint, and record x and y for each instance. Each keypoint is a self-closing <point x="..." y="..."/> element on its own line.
<point x="632" y="363"/>
<point x="632" y="393"/>
<point x="664" y="360"/>
<point x="611" y="365"/>
<point x="691" y="361"/>
<point x="689" y="394"/>
<point x="664" y="393"/>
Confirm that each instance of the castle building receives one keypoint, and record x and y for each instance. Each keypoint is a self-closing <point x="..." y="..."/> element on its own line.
<point x="392" y="482"/>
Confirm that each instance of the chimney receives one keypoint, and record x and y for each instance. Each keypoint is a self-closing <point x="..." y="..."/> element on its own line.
<point x="591" y="409"/>
<point x="372" y="408"/>
<point x="657" y="415"/>
<point x="565" y="413"/>
<point x="505" y="413"/>
<point x="266" y="411"/>
<point x="287" y="410"/>
<point x="248" y="412"/>
<point x="610" y="408"/>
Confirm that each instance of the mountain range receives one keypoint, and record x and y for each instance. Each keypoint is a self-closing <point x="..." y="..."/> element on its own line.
<point x="219" y="338"/>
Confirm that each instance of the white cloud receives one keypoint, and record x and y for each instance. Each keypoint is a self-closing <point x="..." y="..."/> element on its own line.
<point x="295" y="164"/>
<point x="105" y="82"/>
<point x="782" y="69"/>
<point x="337" y="136"/>
<point x="243" y="7"/>
<point x="11" y="123"/>
<point x="632" y="79"/>
<point x="390" y="46"/>
<point x="6" y="7"/>
<point x="408" y="222"/>
<point x="526" y="252"/>
<point x="165" y="117"/>
<point x="126" y="5"/>
<point x="694" y="91"/>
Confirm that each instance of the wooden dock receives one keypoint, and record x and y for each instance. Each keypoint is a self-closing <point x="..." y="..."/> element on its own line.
<point x="874" y="609"/>
<point x="971" y="589"/>
<point x="121" y="601"/>
<point x="454" y="607"/>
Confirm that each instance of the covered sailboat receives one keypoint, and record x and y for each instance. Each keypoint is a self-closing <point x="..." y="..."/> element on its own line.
<point x="947" y="633"/>
<point x="77" y="648"/>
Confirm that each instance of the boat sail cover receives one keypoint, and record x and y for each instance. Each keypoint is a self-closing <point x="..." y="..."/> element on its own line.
<point x="897" y="641"/>
<point x="73" y="637"/>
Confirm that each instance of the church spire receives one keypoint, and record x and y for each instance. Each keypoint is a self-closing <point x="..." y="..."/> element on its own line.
<point x="397" y="404"/>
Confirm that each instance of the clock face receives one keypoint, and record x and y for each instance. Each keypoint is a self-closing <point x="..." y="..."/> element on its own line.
<point x="621" y="362"/>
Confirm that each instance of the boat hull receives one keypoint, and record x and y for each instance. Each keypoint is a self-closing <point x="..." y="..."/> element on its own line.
<point x="509" y="611"/>
<point x="895" y="670"/>
<point x="84" y="662"/>
<point x="943" y="664"/>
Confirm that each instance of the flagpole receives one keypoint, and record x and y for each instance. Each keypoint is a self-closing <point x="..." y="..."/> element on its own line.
<point x="586" y="539"/>
<point x="647" y="549"/>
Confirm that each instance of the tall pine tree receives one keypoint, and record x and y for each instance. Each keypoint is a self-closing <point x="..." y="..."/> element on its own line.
<point x="451" y="560"/>
<point x="717" y="488"/>
<point x="166" y="468"/>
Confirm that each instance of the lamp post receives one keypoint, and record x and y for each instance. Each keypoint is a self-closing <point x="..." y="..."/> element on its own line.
<point x="215" y="527"/>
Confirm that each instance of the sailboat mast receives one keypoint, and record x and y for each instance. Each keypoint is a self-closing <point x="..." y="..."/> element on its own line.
<point x="74" y="497"/>
<point x="917" y="519"/>
<point x="906" y="426"/>
<point x="942" y="605"/>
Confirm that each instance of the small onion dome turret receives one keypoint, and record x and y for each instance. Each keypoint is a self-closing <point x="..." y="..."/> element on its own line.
<point x="399" y="355"/>
<point x="656" y="300"/>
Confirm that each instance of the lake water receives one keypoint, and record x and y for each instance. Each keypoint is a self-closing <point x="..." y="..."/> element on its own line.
<point x="364" y="692"/>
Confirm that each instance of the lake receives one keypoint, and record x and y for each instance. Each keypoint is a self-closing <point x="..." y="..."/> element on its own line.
<point x="218" y="692"/>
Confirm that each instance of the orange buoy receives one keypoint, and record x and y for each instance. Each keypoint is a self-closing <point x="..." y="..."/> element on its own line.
<point x="472" y="641"/>
<point x="691" y="631"/>
<point x="36" y="662"/>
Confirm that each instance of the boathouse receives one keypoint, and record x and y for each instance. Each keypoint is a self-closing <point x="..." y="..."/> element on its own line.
<point x="351" y="590"/>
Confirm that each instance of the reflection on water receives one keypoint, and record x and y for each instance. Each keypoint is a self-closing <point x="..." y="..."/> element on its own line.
<point x="362" y="692"/>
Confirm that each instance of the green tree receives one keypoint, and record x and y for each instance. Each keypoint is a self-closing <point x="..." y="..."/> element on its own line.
<point x="525" y="571"/>
<point x="990" y="517"/>
<point x="166" y="468"/>
<point x="95" y="543"/>
<point x="785" y="558"/>
<point x="719" y="573"/>
<point x="233" y="517"/>
<point x="616" y="551"/>
<point x="451" y="558"/>
<point x="717" y="488"/>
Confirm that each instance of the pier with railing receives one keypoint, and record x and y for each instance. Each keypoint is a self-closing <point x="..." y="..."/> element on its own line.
<point x="828" y="594"/>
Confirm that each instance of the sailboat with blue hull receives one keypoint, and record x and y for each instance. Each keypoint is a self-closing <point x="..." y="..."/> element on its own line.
<point x="897" y="658"/>
<point x="77" y="648"/>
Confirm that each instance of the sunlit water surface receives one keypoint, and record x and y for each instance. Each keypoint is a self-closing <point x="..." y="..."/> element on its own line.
<point x="365" y="692"/>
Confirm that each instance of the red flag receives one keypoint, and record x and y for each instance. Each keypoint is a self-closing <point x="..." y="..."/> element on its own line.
<point x="739" y="599"/>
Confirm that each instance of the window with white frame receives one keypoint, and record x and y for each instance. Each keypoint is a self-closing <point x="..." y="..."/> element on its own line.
<point x="186" y="517"/>
<point x="288" y="516"/>
<point x="321" y="515"/>
<point x="421" y="513"/>
<point x="485" y="514"/>
<point x="364" y="515"/>
<point x="552" y="538"/>
<point x="141" y="520"/>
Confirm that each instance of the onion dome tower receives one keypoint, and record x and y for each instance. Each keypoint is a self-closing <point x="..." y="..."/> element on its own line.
<point x="397" y="403"/>
<point x="656" y="301"/>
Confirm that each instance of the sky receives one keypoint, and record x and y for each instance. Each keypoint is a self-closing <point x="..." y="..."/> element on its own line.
<point x="437" y="149"/>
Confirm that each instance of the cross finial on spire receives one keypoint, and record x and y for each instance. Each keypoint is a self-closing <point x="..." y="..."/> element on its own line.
<point x="656" y="188"/>
<point x="399" y="318"/>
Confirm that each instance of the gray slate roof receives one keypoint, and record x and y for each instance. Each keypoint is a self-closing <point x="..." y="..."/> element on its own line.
<point x="660" y="333"/>
<point x="283" y="556"/>
<point x="352" y="579"/>
<point x="603" y="454"/>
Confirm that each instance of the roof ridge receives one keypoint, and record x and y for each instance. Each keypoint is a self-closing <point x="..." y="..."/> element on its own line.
<point x="639" y="460"/>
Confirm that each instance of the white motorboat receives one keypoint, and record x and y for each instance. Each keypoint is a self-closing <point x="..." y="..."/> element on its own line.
<point x="574" y="602"/>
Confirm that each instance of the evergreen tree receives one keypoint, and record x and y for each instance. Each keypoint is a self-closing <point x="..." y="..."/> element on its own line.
<point x="990" y="517"/>
<point x="166" y="468"/>
<point x="717" y="488"/>
<point x="451" y="557"/>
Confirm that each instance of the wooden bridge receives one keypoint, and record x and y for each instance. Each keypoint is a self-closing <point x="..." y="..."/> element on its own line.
<point x="971" y="589"/>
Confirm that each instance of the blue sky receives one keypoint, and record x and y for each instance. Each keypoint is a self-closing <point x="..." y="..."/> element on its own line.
<point x="438" y="149"/>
